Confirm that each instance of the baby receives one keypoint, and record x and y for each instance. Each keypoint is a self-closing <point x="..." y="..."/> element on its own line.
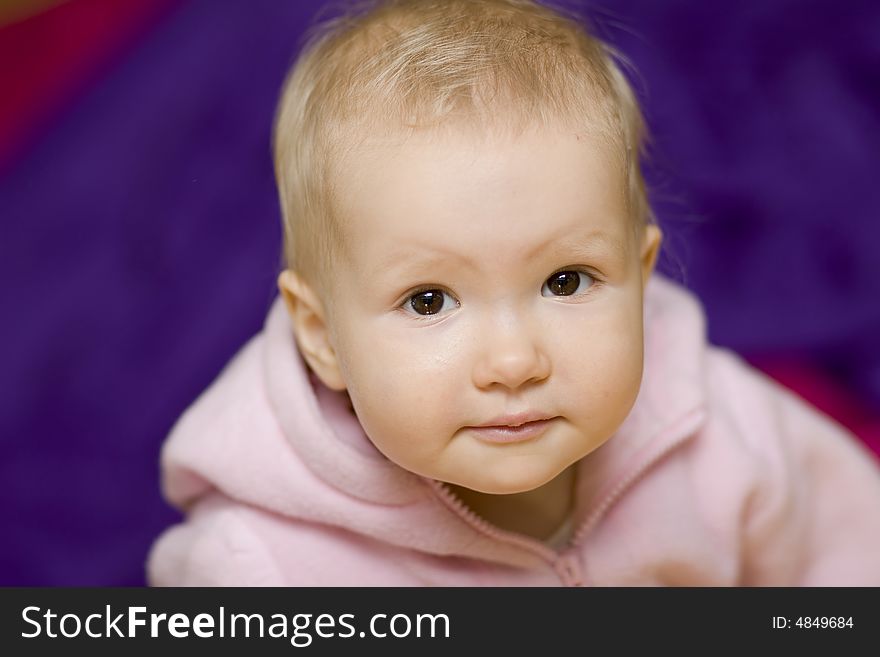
<point x="472" y="376"/>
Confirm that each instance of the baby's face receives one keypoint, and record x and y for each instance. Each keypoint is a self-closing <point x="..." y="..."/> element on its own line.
<point x="489" y="283"/>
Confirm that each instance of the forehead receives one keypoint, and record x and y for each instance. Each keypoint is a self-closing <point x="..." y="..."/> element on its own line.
<point x="459" y="191"/>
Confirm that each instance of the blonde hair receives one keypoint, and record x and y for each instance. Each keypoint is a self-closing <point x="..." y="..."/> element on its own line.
<point x="393" y="65"/>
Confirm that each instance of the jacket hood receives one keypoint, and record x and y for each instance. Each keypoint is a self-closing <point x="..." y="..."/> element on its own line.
<point x="268" y="434"/>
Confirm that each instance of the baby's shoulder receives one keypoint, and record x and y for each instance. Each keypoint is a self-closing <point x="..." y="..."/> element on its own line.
<point x="218" y="544"/>
<point x="745" y="399"/>
<point x="768" y="420"/>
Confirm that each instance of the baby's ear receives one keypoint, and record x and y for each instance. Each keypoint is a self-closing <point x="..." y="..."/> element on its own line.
<point x="308" y="318"/>
<point x="652" y="237"/>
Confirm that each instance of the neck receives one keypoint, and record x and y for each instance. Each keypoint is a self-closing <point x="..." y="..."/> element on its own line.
<point x="536" y="513"/>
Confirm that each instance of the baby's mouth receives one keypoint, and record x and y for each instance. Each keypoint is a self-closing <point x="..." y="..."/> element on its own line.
<point x="511" y="433"/>
<point x="516" y="419"/>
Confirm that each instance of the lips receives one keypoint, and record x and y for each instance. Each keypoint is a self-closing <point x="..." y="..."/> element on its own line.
<point x="513" y="430"/>
<point x="515" y="420"/>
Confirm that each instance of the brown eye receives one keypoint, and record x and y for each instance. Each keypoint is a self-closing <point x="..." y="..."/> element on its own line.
<point x="429" y="302"/>
<point x="566" y="283"/>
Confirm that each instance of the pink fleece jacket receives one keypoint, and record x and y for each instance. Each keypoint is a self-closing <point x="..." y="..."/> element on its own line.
<point x="718" y="477"/>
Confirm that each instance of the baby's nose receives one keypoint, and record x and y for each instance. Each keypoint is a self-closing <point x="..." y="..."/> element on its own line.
<point x="511" y="357"/>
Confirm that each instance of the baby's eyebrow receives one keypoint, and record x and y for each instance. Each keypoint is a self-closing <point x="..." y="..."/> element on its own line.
<point x="594" y="243"/>
<point x="424" y="256"/>
<point x="415" y="259"/>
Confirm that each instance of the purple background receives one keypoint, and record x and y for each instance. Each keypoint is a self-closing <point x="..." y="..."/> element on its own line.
<point x="140" y="236"/>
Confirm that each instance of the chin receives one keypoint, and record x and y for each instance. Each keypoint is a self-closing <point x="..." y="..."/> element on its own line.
<point x="511" y="480"/>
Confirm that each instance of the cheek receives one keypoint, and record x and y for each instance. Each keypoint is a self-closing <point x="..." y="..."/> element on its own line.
<point x="605" y="368"/>
<point x="402" y="388"/>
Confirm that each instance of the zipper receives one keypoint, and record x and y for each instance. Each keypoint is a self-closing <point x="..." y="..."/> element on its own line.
<point x="565" y="564"/>
<point x="568" y="567"/>
<point x="476" y="521"/>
